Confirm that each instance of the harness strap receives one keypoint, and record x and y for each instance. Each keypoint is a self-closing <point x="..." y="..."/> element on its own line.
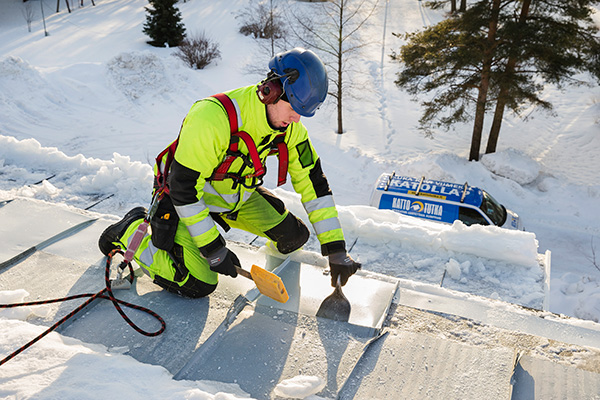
<point x="283" y="157"/>
<point x="163" y="169"/>
<point x="221" y="172"/>
<point x="231" y="111"/>
<point x="259" y="168"/>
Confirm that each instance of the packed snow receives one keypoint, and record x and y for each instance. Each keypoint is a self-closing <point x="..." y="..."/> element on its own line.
<point x="84" y="111"/>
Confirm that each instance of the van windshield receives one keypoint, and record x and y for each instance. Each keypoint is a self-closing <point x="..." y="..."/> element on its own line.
<point x="493" y="209"/>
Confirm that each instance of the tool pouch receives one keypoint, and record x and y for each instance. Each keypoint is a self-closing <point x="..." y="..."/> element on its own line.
<point x="164" y="225"/>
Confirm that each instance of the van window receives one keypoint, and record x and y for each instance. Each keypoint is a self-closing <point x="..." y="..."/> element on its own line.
<point x="470" y="216"/>
<point x="493" y="209"/>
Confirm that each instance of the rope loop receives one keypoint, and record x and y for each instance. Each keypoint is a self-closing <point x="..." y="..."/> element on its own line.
<point x="105" y="293"/>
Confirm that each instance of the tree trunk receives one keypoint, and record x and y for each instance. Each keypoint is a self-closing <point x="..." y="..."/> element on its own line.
<point x="272" y="30"/>
<point x="503" y="94"/>
<point x="488" y="56"/>
<point x="339" y="115"/>
<point x="479" y="113"/>
<point x="497" y="122"/>
<point x="339" y="70"/>
<point x="452" y="6"/>
<point x="66" y="2"/>
<point x="463" y="5"/>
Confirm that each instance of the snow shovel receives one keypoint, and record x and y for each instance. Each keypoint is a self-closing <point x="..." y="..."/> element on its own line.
<point x="266" y="282"/>
<point x="335" y="306"/>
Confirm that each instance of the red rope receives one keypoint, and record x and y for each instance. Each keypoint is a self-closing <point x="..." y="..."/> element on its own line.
<point x="105" y="293"/>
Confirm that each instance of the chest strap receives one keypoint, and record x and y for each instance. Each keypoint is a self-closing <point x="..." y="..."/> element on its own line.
<point x="233" y="152"/>
<point x="278" y="147"/>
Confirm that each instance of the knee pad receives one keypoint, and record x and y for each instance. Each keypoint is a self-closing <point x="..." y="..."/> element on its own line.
<point x="192" y="289"/>
<point x="290" y="234"/>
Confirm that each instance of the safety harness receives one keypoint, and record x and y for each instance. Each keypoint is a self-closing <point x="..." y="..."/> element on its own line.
<point x="252" y="160"/>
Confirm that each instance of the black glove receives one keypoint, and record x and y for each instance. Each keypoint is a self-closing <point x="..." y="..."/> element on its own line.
<point x="342" y="265"/>
<point x="223" y="261"/>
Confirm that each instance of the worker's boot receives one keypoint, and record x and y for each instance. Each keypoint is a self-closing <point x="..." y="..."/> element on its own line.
<point x="113" y="233"/>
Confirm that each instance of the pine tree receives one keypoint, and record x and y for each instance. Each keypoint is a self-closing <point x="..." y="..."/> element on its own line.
<point x="551" y="39"/>
<point x="497" y="51"/>
<point x="454" y="60"/>
<point x="163" y="23"/>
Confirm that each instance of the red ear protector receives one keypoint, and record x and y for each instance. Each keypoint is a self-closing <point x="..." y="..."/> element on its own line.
<point x="270" y="90"/>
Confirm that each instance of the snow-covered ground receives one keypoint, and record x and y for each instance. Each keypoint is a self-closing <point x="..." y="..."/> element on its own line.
<point x="87" y="108"/>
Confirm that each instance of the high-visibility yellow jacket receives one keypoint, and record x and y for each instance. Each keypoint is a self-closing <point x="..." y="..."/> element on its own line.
<point x="203" y="143"/>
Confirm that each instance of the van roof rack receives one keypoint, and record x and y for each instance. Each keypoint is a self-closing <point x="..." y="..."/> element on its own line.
<point x="420" y="184"/>
<point x="387" y="185"/>
<point x="464" y="193"/>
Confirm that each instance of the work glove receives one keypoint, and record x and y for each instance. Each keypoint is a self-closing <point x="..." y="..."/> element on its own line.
<point x="223" y="261"/>
<point x="342" y="265"/>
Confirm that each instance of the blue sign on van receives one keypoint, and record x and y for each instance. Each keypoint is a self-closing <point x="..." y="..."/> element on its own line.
<point x="419" y="208"/>
<point x="441" y="201"/>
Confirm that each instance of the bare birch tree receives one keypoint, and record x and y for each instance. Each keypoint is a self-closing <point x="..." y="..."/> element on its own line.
<point x="28" y="14"/>
<point x="331" y="29"/>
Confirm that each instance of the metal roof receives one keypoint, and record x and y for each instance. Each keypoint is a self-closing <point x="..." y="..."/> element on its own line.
<point x="405" y="339"/>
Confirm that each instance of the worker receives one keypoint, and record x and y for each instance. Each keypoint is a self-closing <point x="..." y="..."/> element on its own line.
<point x="213" y="174"/>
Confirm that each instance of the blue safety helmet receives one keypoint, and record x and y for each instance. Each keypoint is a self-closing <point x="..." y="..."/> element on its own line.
<point x="305" y="90"/>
